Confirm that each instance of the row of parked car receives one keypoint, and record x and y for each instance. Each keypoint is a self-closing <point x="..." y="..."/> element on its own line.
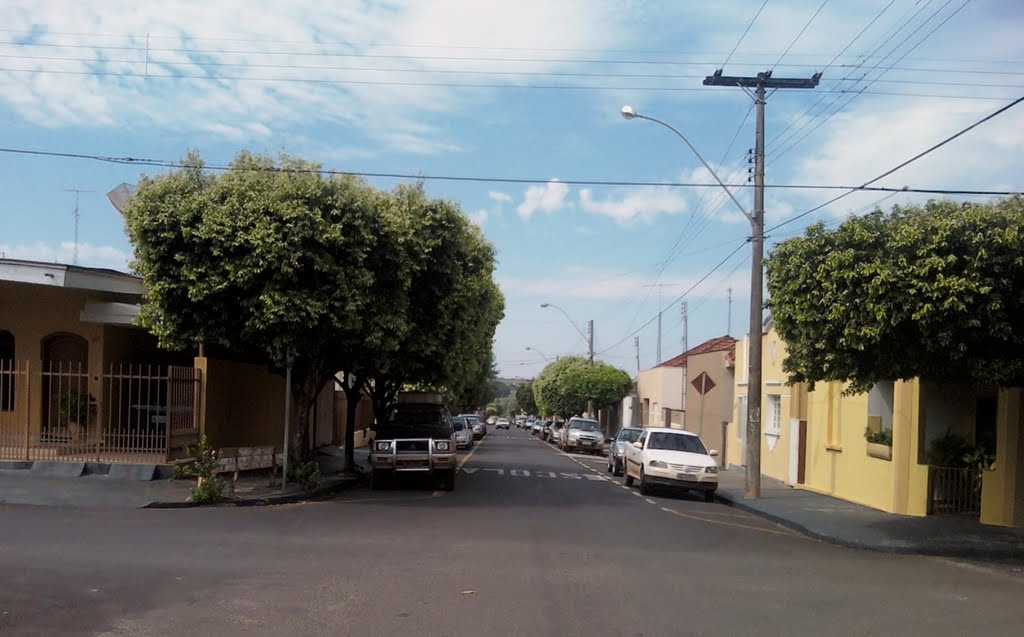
<point x="648" y="456"/>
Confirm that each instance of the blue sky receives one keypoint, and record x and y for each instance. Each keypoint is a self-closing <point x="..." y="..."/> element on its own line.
<point x="522" y="90"/>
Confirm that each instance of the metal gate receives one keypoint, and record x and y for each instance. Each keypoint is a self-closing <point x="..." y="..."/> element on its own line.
<point x="130" y="414"/>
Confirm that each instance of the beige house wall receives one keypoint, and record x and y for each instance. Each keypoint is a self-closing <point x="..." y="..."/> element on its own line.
<point x="659" y="388"/>
<point x="709" y="414"/>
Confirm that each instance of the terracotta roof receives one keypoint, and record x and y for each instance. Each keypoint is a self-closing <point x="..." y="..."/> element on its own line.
<point x="719" y="344"/>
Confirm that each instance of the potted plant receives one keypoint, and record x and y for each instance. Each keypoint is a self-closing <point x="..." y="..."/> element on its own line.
<point x="76" y="410"/>
<point x="879" y="443"/>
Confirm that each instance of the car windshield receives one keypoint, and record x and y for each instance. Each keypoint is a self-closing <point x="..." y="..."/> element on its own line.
<point x="629" y="435"/>
<point x="412" y="421"/>
<point x="585" y="425"/>
<point x="676" y="442"/>
<point x="459" y="423"/>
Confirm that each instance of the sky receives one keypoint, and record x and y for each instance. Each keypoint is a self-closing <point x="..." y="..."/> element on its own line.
<point x="523" y="99"/>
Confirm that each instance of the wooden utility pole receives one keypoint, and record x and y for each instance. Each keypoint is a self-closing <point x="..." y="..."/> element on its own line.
<point x="759" y="84"/>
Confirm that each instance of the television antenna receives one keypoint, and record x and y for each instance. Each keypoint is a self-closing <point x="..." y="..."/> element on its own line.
<point x="74" y="258"/>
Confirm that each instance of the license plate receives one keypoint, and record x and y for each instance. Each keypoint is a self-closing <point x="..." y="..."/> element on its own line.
<point x="587" y="443"/>
<point x="684" y="476"/>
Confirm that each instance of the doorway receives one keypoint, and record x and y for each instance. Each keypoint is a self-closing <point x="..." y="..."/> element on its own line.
<point x="65" y="381"/>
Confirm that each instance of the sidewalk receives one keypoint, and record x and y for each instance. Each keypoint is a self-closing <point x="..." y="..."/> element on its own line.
<point x="847" y="524"/>
<point x="23" y="486"/>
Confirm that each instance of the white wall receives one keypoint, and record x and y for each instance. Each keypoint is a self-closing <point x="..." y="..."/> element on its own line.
<point x="880" y="403"/>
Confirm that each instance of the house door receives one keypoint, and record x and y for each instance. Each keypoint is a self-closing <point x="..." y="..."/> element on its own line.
<point x="65" y="380"/>
<point x="797" y="451"/>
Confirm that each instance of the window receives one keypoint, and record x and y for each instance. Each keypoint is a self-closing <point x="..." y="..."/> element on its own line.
<point x="774" y="423"/>
<point x="7" y="371"/>
<point x="677" y="442"/>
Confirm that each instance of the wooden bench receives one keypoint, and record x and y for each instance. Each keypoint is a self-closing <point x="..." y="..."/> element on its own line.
<point x="235" y="459"/>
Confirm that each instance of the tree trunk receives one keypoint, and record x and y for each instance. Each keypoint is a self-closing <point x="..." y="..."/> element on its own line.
<point x="300" y="428"/>
<point x="353" y="394"/>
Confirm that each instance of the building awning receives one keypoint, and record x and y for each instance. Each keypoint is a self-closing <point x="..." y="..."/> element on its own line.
<point x="108" y="313"/>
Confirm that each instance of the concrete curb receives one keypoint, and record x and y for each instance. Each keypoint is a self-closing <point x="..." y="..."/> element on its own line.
<point x="336" y="486"/>
<point x="978" y="553"/>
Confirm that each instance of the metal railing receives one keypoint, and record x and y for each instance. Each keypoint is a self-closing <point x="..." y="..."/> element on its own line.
<point x="954" y="490"/>
<point x="129" y="413"/>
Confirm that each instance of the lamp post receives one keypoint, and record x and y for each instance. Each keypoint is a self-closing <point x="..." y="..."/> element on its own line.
<point x="540" y="353"/>
<point x="756" y="219"/>
<point x="590" y="344"/>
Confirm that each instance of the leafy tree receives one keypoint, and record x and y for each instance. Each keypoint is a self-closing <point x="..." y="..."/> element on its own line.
<point x="565" y="386"/>
<point x="525" y="399"/>
<point x="270" y="256"/>
<point x="933" y="291"/>
<point x="453" y="309"/>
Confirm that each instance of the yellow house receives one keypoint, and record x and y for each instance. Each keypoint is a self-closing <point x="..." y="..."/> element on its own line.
<point x="826" y="449"/>
<point x="79" y="382"/>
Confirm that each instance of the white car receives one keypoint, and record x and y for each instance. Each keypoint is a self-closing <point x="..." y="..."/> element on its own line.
<point x="463" y="432"/>
<point x="502" y="423"/>
<point x="672" y="458"/>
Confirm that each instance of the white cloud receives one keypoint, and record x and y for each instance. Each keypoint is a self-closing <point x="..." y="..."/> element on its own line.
<point x="547" y="198"/>
<point x="500" y="197"/>
<point x="88" y="255"/>
<point x="863" y="142"/>
<point x="597" y="285"/>
<point x="167" y="67"/>
<point x="479" y="217"/>
<point x="642" y="203"/>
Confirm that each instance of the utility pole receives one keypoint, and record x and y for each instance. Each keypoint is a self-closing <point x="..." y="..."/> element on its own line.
<point x="686" y="324"/>
<point x="759" y="83"/>
<point x="660" y="286"/>
<point x="74" y="258"/>
<point x="728" y="320"/>
<point x="590" y="358"/>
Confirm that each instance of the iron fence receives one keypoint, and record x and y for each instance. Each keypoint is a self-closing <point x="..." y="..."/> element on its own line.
<point x="954" y="490"/>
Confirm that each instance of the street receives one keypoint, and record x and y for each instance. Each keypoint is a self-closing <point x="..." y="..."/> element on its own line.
<point x="532" y="542"/>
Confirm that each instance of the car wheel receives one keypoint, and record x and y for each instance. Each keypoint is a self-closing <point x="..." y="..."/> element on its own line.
<point x="611" y="469"/>
<point x="629" y="479"/>
<point x="645" y="487"/>
<point x="616" y="470"/>
<point x="709" y="496"/>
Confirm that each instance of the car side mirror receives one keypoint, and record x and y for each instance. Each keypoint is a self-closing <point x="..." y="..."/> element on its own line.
<point x="637" y="445"/>
<point x="713" y="453"/>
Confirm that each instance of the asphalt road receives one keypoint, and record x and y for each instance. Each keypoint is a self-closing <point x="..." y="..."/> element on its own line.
<point x="532" y="542"/>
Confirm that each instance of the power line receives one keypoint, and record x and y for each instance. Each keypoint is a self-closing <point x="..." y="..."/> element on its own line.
<point x="411" y="70"/>
<point x="677" y="300"/>
<point x="904" y="164"/>
<point x="745" y="32"/>
<point x="467" y="85"/>
<point x="411" y="45"/>
<point x="855" y="94"/>
<point x="799" y="35"/>
<point x="162" y="163"/>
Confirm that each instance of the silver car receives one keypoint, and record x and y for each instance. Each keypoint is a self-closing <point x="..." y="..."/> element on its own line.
<point x="582" y="435"/>
<point x="477" y="425"/>
<point x="617" y="449"/>
<point x="463" y="432"/>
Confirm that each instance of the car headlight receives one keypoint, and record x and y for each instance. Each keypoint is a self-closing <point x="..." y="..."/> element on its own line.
<point x="442" y="445"/>
<point x="711" y="470"/>
<point x="383" y="445"/>
<point x="658" y="464"/>
<point x="574" y="436"/>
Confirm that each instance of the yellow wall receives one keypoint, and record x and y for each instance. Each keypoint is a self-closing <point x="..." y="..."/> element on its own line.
<point x="775" y="445"/>
<point x="31" y="313"/>
<point x="243" y="404"/>
<point x="838" y="464"/>
<point x="1002" y="496"/>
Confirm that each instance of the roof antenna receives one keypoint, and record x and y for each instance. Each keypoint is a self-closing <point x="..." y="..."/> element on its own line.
<point x="74" y="258"/>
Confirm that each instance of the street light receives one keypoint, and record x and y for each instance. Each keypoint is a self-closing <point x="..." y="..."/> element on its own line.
<point x="756" y="219"/>
<point x="590" y="344"/>
<point x="534" y="349"/>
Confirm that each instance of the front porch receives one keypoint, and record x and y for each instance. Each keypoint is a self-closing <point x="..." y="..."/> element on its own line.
<point x="126" y="414"/>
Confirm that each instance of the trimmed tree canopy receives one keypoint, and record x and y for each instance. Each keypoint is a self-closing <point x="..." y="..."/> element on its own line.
<point x="565" y="386"/>
<point x="935" y="292"/>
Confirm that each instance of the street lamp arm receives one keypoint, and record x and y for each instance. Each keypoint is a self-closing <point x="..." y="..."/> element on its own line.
<point x="700" y="157"/>
<point x="567" y="317"/>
